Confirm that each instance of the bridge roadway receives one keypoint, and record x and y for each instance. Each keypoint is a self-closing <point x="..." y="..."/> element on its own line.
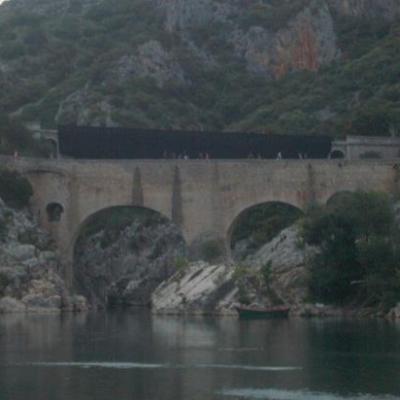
<point x="203" y="197"/>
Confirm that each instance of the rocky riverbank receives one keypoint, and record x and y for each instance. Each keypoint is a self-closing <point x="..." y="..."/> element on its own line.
<point x="275" y="274"/>
<point x="29" y="268"/>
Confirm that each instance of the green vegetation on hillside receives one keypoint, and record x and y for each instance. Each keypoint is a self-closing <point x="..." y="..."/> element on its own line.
<point x="51" y="58"/>
<point x="358" y="262"/>
<point x="273" y="13"/>
<point x="359" y="94"/>
<point x="15" y="137"/>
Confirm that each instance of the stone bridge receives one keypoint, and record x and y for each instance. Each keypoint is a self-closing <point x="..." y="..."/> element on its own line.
<point x="203" y="197"/>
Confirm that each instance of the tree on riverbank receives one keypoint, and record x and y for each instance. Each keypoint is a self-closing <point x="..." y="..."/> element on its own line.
<point x="359" y="259"/>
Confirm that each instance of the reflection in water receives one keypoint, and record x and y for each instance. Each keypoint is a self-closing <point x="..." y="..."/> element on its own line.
<point x="132" y="365"/>
<point x="136" y="356"/>
<point x="274" y="394"/>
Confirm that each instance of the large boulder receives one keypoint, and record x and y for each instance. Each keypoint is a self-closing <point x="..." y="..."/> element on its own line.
<point x="286" y="260"/>
<point x="199" y="288"/>
<point x="11" y="305"/>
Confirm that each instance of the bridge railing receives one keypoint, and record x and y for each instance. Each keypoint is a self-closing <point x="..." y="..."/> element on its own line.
<point x="25" y="160"/>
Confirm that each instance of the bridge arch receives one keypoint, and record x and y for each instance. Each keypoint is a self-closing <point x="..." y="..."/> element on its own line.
<point x="118" y="262"/>
<point x="337" y="154"/>
<point x="95" y="214"/>
<point x="338" y="196"/>
<point x="259" y="223"/>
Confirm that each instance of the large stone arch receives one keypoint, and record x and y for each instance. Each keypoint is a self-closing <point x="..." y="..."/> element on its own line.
<point x="90" y="217"/>
<point x="79" y="216"/>
<point x="145" y="252"/>
<point x="337" y="196"/>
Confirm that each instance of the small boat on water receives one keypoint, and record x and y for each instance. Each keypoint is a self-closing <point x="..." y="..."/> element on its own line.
<point x="250" y="312"/>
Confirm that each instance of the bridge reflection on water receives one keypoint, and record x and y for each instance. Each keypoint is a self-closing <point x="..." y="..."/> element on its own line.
<point x="127" y="355"/>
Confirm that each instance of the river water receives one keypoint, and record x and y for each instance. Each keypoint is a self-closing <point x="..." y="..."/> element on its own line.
<point x="126" y="355"/>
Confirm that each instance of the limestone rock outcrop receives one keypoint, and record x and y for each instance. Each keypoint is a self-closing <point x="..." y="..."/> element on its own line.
<point x="286" y="259"/>
<point x="201" y="288"/>
<point x="124" y="269"/>
<point x="152" y="61"/>
<point x="29" y="268"/>
<point x="159" y="63"/>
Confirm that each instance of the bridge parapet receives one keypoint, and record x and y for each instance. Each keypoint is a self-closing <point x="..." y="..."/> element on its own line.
<point x="367" y="147"/>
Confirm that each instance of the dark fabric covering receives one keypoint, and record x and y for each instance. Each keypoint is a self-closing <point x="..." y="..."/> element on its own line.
<point x="122" y="143"/>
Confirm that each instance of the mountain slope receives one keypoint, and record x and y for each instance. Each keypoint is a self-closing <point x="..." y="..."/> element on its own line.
<point x="284" y="66"/>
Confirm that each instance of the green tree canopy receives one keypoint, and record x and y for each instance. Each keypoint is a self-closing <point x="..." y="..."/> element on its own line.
<point x="358" y="259"/>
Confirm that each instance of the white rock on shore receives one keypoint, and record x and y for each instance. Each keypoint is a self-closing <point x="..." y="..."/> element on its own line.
<point x="198" y="289"/>
<point x="211" y="289"/>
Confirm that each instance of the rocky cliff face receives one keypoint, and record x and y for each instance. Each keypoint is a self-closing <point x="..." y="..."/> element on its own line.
<point x="124" y="268"/>
<point x="305" y="41"/>
<point x="178" y="63"/>
<point x="29" y="278"/>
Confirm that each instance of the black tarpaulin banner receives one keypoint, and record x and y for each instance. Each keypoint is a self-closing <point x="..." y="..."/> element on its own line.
<point x="125" y="143"/>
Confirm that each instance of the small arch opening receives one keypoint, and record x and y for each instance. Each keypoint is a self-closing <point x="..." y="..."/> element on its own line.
<point x="337" y="155"/>
<point x="257" y="225"/>
<point x="123" y="253"/>
<point x="54" y="212"/>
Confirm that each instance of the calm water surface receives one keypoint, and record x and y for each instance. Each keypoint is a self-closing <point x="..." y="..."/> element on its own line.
<point x="125" y="355"/>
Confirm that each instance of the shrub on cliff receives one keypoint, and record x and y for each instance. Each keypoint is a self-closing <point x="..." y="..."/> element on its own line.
<point x="15" y="190"/>
<point x="359" y="258"/>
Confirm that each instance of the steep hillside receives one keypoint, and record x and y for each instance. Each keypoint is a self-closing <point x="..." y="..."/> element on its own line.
<point x="306" y="66"/>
